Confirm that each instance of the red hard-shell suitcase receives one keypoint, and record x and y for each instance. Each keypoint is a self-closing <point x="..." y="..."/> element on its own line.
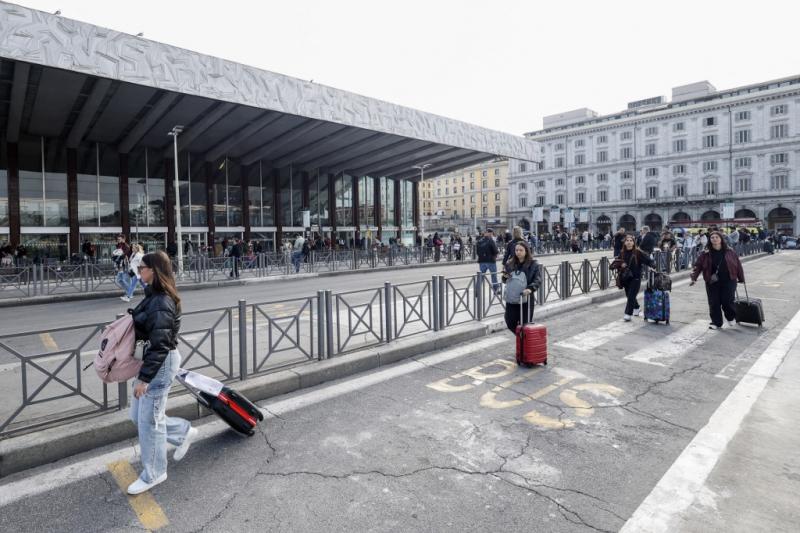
<point x="531" y="341"/>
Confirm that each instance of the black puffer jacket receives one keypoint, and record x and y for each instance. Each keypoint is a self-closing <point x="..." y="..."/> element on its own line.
<point x="156" y="320"/>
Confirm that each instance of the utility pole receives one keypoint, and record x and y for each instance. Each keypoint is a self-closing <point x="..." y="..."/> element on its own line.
<point x="177" y="130"/>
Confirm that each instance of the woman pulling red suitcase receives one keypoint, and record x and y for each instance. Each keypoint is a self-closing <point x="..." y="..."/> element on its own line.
<point x="523" y="276"/>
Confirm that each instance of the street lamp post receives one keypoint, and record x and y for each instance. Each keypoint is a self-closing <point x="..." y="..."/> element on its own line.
<point x="178" y="230"/>
<point x="421" y="169"/>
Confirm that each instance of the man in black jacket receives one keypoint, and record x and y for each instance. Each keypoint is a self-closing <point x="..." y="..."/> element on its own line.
<point x="236" y="255"/>
<point x="619" y="237"/>
<point x="487" y="256"/>
<point x="649" y="240"/>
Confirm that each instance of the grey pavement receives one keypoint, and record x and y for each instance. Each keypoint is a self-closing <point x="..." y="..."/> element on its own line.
<point x="463" y="440"/>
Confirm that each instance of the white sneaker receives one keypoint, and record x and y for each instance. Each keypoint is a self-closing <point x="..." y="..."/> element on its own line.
<point x="124" y="298"/>
<point x="139" y="486"/>
<point x="731" y="323"/>
<point x="626" y="318"/>
<point x="181" y="450"/>
<point x="712" y="326"/>
<point x="637" y="312"/>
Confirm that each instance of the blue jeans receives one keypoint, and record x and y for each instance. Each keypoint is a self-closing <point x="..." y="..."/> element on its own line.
<point x="155" y="428"/>
<point x="132" y="287"/>
<point x="490" y="267"/>
<point x="297" y="258"/>
<point x="122" y="280"/>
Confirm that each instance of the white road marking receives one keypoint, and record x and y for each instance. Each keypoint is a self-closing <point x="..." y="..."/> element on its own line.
<point x="665" y="351"/>
<point x="685" y="479"/>
<point x="53" y="476"/>
<point x="591" y="339"/>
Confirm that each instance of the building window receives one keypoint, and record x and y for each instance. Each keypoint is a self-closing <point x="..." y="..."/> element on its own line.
<point x="778" y="131"/>
<point x="472" y="199"/>
<point x="602" y="177"/>
<point x="446" y="191"/>
<point x="778" y="110"/>
<point x="580" y="159"/>
<point x="650" y="149"/>
<point x="523" y="201"/>
<point x="652" y="130"/>
<point x="652" y="192"/>
<point x="626" y="135"/>
<point x="439" y="204"/>
<point x="497" y="197"/>
<point x="472" y="211"/>
<point x="497" y="172"/>
<point x="709" y="166"/>
<point x="678" y="126"/>
<point x="602" y="139"/>
<point x="580" y="197"/>
<point x="463" y="189"/>
<point x="602" y="156"/>
<point x="779" y="182"/>
<point x="580" y="180"/>
<point x="540" y="201"/>
<point x="471" y="175"/>
<point x="742" y="162"/>
<point x="709" y="187"/>
<point x="485" y="211"/>
<point x="484" y="184"/>
<point x="447" y="203"/>
<point x="741" y="116"/>
<point x="679" y="190"/>
<point x="779" y="159"/>
<point x="709" y="141"/>
<point x="679" y="145"/>
<point x="602" y="195"/>
<point x="710" y="121"/>
<point x="626" y="152"/>
<point x="651" y="172"/>
<point x="497" y="210"/>
<point x="523" y="186"/>
<point x="626" y="193"/>
<point x="485" y="198"/>
<point x="626" y="175"/>
<point x="522" y="167"/>
<point x="438" y="192"/>
<point x="472" y="185"/>
<point x="559" y="162"/>
<point x="678" y="170"/>
<point x="484" y="173"/>
<point x="540" y="184"/>
<point x="560" y="182"/>
<point x="742" y="184"/>
<point x="742" y="136"/>
<point x="560" y="199"/>
<point x="559" y="147"/>
<point x="578" y="143"/>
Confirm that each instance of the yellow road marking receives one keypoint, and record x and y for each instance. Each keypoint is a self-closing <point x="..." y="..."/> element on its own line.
<point x="148" y="512"/>
<point x="476" y="373"/>
<point x="48" y="341"/>
<point x="490" y="398"/>
<point x="547" y="422"/>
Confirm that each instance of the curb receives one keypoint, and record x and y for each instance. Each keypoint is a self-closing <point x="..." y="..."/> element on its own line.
<point x="52" y="444"/>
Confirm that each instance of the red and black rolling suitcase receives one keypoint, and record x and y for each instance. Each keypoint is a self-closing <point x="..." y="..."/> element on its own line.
<point x="531" y="341"/>
<point x="236" y="410"/>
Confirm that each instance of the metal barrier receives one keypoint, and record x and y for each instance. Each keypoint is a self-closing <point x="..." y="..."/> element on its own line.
<point x="234" y="342"/>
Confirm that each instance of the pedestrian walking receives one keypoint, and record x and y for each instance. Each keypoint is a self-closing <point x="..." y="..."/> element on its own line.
<point x="522" y="277"/>
<point x="516" y="236"/>
<point x="457" y="244"/>
<point x="437" y="246"/>
<point x="120" y="257"/>
<point x="721" y="270"/>
<point x="297" y="253"/>
<point x="89" y="251"/>
<point x="648" y="240"/>
<point x="629" y="265"/>
<point x="236" y="257"/>
<point x="619" y="238"/>
<point x="157" y="320"/>
<point x="487" y="256"/>
<point x="135" y="277"/>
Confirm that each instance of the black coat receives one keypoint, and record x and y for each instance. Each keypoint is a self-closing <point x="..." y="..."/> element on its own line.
<point x="533" y="273"/>
<point x="487" y="250"/>
<point x="157" y="320"/>
<point x="649" y="242"/>
<point x="635" y="265"/>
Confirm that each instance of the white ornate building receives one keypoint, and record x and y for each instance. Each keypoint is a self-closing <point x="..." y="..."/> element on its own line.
<point x="672" y="162"/>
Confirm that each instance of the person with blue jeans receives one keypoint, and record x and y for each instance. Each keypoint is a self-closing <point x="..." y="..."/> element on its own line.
<point x="487" y="256"/>
<point x="157" y="320"/>
<point x="120" y="257"/>
<point x="133" y="272"/>
<point x="297" y="253"/>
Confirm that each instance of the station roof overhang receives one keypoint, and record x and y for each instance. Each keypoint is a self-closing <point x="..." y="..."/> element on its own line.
<point x="82" y="83"/>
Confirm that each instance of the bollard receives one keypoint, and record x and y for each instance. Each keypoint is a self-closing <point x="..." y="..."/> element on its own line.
<point x="586" y="276"/>
<point x="329" y="323"/>
<point x="540" y="292"/>
<point x="242" y="339"/>
<point x="478" y="296"/>
<point x="605" y="274"/>
<point x="435" y="302"/>
<point x="566" y="280"/>
<point x="320" y="325"/>
<point x="387" y="303"/>
<point x="442" y="303"/>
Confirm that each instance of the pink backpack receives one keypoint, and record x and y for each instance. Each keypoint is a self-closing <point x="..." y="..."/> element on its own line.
<point x="115" y="362"/>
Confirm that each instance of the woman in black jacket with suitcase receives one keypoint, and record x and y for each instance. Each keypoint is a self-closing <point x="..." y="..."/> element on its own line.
<point x="522" y="276"/>
<point x="629" y="273"/>
<point x="722" y="270"/>
<point x="157" y="320"/>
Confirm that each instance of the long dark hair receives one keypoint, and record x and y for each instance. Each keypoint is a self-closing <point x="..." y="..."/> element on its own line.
<point x="724" y="247"/>
<point x="163" y="279"/>
<point x="514" y="262"/>
<point x="634" y="251"/>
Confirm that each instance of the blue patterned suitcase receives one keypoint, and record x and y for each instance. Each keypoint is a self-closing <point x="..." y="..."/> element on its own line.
<point x="656" y="305"/>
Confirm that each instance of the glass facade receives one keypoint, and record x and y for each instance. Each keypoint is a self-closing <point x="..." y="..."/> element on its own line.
<point x="146" y="192"/>
<point x="260" y="197"/>
<point x="192" y="187"/>
<point x="3" y="187"/>
<point x="387" y="202"/>
<point x="344" y="200"/>
<point x="318" y="199"/>
<point x="366" y="201"/>
<point x="98" y="186"/>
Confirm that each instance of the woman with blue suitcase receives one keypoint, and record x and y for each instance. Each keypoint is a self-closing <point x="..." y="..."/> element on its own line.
<point x="721" y="271"/>
<point x="629" y="269"/>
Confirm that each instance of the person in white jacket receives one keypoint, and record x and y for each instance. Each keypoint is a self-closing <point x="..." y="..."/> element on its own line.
<point x="133" y="270"/>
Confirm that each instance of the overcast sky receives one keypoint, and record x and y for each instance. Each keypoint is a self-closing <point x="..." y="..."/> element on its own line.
<point x="499" y="64"/>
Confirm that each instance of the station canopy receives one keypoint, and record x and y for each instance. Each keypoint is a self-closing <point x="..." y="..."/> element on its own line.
<point x="66" y="79"/>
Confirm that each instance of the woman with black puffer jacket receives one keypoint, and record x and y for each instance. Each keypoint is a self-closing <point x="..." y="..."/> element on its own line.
<point x="629" y="273"/>
<point x="157" y="320"/>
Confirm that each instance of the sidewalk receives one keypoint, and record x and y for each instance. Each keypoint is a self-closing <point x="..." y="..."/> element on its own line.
<point x="755" y="485"/>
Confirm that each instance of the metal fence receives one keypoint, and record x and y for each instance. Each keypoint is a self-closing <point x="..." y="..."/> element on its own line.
<point x="42" y="376"/>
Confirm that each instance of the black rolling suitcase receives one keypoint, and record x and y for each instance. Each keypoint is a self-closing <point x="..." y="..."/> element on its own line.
<point x="769" y="248"/>
<point x="748" y="310"/>
<point x="236" y="410"/>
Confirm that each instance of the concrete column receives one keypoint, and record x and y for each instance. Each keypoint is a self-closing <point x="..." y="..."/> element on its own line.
<point x="124" y="211"/>
<point x="398" y="215"/>
<point x="356" y="199"/>
<point x="208" y="172"/>
<point x="376" y="190"/>
<point x="13" y="194"/>
<point x="72" y="200"/>
<point x="244" y="184"/>
<point x="332" y="201"/>
<point x="415" y="207"/>
<point x="169" y="199"/>
<point x="276" y="199"/>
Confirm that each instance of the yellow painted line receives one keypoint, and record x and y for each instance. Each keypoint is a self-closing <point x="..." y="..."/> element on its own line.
<point x="48" y="341"/>
<point x="148" y="512"/>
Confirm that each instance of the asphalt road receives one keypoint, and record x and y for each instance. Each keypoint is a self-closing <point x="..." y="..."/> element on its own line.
<point x="463" y="442"/>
